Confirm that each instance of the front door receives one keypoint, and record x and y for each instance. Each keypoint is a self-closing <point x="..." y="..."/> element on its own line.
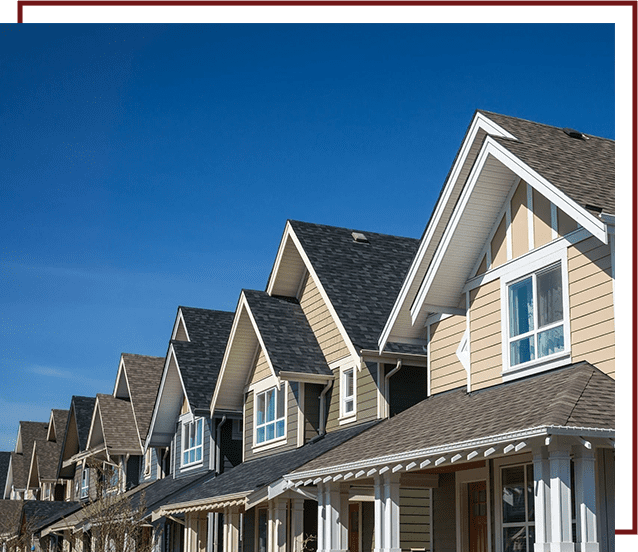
<point x="477" y="516"/>
<point x="353" y="527"/>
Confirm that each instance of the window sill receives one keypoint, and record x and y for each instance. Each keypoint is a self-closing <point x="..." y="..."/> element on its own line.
<point x="187" y="467"/>
<point x="348" y="419"/>
<point x="536" y="366"/>
<point x="273" y="443"/>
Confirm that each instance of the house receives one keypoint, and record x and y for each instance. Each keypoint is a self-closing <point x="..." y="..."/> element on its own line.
<point x="303" y="372"/>
<point x="511" y="293"/>
<point x="5" y="459"/>
<point x="16" y="486"/>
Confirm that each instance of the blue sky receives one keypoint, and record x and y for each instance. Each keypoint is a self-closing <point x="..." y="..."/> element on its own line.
<point x="146" y="167"/>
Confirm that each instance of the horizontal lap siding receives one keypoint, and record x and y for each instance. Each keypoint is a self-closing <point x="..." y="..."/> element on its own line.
<point x="415" y="518"/>
<point x="311" y="409"/>
<point x="485" y="335"/>
<point x="292" y="416"/>
<point x="591" y="304"/>
<point x="367" y="392"/>
<point x="446" y="370"/>
<point x="261" y="370"/>
<point x="332" y="399"/>
<point x="323" y="325"/>
<point x="248" y="425"/>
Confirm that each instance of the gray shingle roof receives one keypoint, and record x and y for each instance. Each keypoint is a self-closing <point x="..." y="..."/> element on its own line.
<point x="59" y="420"/>
<point x="20" y="471"/>
<point x="362" y="280"/>
<point x="255" y="474"/>
<point x="83" y="407"/>
<point x="10" y="511"/>
<point x="289" y="340"/>
<point x="48" y="456"/>
<point x="200" y="359"/>
<point x="583" y="169"/>
<point x="118" y="424"/>
<point x="5" y="457"/>
<point x="29" y="433"/>
<point x="143" y="374"/>
<point x="578" y="396"/>
<point x="48" y="512"/>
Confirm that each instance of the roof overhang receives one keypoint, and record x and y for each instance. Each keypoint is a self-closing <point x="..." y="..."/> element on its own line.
<point x="211" y="504"/>
<point x="373" y="355"/>
<point x="463" y="451"/>
<point x="305" y="378"/>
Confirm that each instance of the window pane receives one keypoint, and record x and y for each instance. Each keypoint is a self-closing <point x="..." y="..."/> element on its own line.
<point x="280" y="428"/>
<point x="349" y="405"/>
<point x="200" y="431"/>
<point x="513" y="494"/>
<point x="550" y="297"/>
<point x="270" y="405"/>
<point x="198" y="453"/>
<point x="550" y="341"/>
<point x="270" y="432"/>
<point x="281" y="395"/>
<point x="521" y="308"/>
<point x="185" y="458"/>
<point x="261" y="408"/>
<point x="261" y="435"/>
<point x="514" y="539"/>
<point x="522" y="350"/>
<point x="349" y="380"/>
<point x="191" y="456"/>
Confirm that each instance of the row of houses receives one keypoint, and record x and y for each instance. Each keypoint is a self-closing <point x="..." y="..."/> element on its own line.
<point x="386" y="394"/>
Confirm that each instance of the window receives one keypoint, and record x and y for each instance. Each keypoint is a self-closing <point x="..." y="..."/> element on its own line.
<point x="148" y="456"/>
<point x="536" y="316"/>
<point x="270" y="419"/>
<point x="84" y="489"/>
<point x="347" y="393"/>
<point x="517" y="494"/>
<point x="192" y="441"/>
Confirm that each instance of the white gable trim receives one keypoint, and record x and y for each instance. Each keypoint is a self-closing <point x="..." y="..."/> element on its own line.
<point x="122" y="369"/>
<point x="97" y="412"/>
<point x="493" y="148"/>
<point x="480" y="122"/>
<point x="260" y="340"/>
<point x="180" y="320"/>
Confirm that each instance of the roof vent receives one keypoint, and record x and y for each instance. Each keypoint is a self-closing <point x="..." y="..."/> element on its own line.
<point x="574" y="133"/>
<point x="359" y="237"/>
<point x="593" y="208"/>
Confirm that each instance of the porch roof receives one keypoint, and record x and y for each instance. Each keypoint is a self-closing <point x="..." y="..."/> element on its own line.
<point x="576" y="399"/>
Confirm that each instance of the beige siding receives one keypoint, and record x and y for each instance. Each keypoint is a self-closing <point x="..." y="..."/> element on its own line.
<point x="248" y="425"/>
<point x="446" y="371"/>
<point x="332" y="422"/>
<point x="591" y="304"/>
<point x="415" y="518"/>
<point x="566" y="224"/>
<point x="180" y="334"/>
<point x="292" y="416"/>
<point x="261" y="370"/>
<point x="483" y="266"/>
<point x="499" y="244"/>
<point x="542" y="219"/>
<point x="323" y="325"/>
<point x="366" y="392"/>
<point x="520" y="226"/>
<point x="485" y="335"/>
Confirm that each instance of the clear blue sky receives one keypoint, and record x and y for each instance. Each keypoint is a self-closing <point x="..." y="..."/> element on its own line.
<point x="146" y="167"/>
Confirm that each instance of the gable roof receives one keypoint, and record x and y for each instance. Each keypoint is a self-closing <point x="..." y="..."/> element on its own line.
<point x="29" y="433"/>
<point x="288" y="338"/>
<point x="579" y="396"/>
<point x="361" y="280"/>
<point x="5" y="458"/>
<point x="143" y="375"/>
<point x="83" y="407"/>
<point x="77" y="425"/>
<point x="10" y="512"/>
<point x="118" y="425"/>
<point x="584" y="169"/>
<point x="57" y="423"/>
<point x="200" y="359"/>
<point x="47" y="455"/>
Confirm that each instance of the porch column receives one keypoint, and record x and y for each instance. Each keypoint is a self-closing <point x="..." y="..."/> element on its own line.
<point x="560" y="496"/>
<point x="321" y="518"/>
<point x="379" y="508"/>
<point x="279" y="526"/>
<point x="391" y="526"/>
<point x="585" y="495"/>
<point x="542" y="521"/>
<point x="296" y="522"/>
<point x="336" y="528"/>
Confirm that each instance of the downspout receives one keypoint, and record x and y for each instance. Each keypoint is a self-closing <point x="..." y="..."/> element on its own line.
<point x="386" y="386"/>
<point x="322" y="408"/>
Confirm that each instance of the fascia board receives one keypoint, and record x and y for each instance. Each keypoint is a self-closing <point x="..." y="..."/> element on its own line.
<point x="158" y="400"/>
<point x="90" y="435"/>
<point x="305" y="378"/>
<point x="278" y="259"/>
<point x="480" y="122"/>
<point x="180" y="318"/>
<point x="9" y="482"/>
<point x="51" y="427"/>
<point x="130" y="396"/>
<point x="34" y="460"/>
<point x="324" y="295"/>
<point x="261" y="341"/>
<point x="173" y="354"/>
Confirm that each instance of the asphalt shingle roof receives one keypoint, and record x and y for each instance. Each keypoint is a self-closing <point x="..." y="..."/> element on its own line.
<point x="83" y="407"/>
<point x="200" y="359"/>
<point x="59" y="420"/>
<point x="118" y="424"/>
<point x="255" y="474"/>
<point x="584" y="169"/>
<point x="578" y="396"/>
<point x="289" y="340"/>
<point x="10" y="511"/>
<point x="48" y="457"/>
<point x="143" y="374"/>
<point x="29" y="433"/>
<point x="20" y="471"/>
<point x="39" y="514"/>
<point x="5" y="457"/>
<point x="362" y="280"/>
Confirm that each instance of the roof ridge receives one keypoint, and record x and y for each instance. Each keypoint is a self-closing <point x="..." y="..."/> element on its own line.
<point x="140" y="356"/>
<point x="202" y="309"/>
<point x="293" y="221"/>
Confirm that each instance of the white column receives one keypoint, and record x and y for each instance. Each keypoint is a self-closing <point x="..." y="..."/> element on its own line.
<point x="560" y="496"/>
<point x="272" y="527"/>
<point x="379" y="508"/>
<point x="391" y="524"/>
<point x="335" y="519"/>
<point x="345" y="515"/>
<point x="585" y="495"/>
<point x="296" y="521"/>
<point x="280" y="528"/>
<point x="542" y="521"/>
<point x="226" y="531"/>
<point x="321" y="518"/>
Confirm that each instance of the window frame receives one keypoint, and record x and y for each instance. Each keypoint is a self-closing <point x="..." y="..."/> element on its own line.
<point x="148" y="460"/>
<point x="275" y="440"/>
<point x="84" y="489"/>
<point x="189" y="422"/>
<point x="519" y="273"/>
<point x="345" y="417"/>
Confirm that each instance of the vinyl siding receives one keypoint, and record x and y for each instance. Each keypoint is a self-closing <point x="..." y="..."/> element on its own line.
<point x="261" y="370"/>
<point x="542" y="219"/>
<point x="446" y="370"/>
<point x="520" y="225"/>
<point x="323" y="325"/>
<point x="591" y="304"/>
<point x="206" y="446"/>
<point x="312" y="409"/>
<point x="366" y="392"/>
<point x="485" y="335"/>
<point x="332" y="398"/>
<point x="415" y="518"/>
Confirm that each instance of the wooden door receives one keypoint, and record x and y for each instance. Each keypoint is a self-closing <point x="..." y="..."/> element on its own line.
<point x="354" y="512"/>
<point x="477" y="516"/>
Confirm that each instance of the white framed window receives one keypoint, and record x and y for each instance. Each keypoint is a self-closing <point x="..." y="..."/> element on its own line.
<point x="270" y="415"/>
<point x="84" y="487"/>
<point x="192" y="441"/>
<point x="348" y="396"/>
<point x="535" y="321"/>
<point x="516" y="507"/>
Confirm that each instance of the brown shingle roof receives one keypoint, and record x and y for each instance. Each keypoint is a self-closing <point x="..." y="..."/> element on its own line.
<point x="29" y="433"/>
<point x="118" y="424"/>
<point x="59" y="419"/>
<point x="578" y="396"/>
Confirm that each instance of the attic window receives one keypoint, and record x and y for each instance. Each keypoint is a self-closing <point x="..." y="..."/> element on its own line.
<point x="359" y="237"/>
<point x="575" y="134"/>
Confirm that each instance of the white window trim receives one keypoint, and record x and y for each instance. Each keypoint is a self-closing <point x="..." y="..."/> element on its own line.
<point x="462" y="479"/>
<point x="347" y="417"/>
<point x="277" y="441"/>
<point x="186" y="422"/>
<point x="84" y="490"/>
<point x="518" y="272"/>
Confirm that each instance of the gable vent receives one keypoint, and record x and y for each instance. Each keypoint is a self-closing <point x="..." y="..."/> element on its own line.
<point x="574" y="134"/>
<point x="359" y="237"/>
